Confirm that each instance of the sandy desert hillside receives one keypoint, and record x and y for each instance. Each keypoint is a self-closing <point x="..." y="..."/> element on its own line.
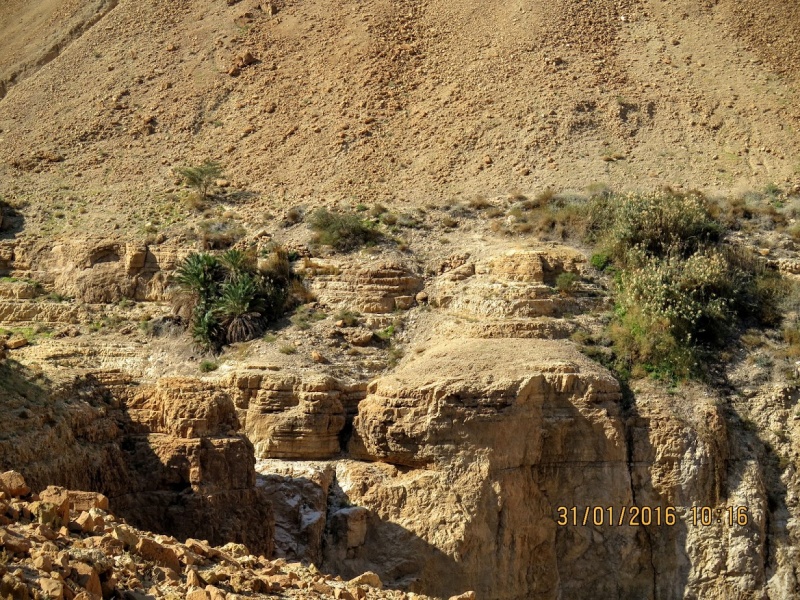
<point x="540" y="204"/>
<point x="394" y="101"/>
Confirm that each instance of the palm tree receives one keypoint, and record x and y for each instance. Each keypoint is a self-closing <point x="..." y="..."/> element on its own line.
<point x="206" y="330"/>
<point x="197" y="276"/>
<point x="236" y="263"/>
<point x="197" y="280"/>
<point x="241" y="307"/>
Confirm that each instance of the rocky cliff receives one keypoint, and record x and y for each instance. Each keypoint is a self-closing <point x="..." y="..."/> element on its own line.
<point x="455" y="471"/>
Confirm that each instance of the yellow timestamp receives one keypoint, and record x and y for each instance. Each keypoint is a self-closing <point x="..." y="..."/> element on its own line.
<point x="634" y="516"/>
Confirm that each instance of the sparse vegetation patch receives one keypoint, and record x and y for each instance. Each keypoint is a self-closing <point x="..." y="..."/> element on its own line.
<point x="342" y="231"/>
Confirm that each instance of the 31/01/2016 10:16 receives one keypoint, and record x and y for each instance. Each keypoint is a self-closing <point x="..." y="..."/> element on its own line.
<point x="650" y="515"/>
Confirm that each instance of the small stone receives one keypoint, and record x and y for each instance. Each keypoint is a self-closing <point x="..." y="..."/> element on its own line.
<point x="214" y="593"/>
<point x="247" y="59"/>
<point x="318" y="358"/>
<point x="487" y="160"/>
<point x="52" y="588"/>
<point x="404" y="302"/>
<point x="43" y="562"/>
<point x="464" y="596"/>
<point x="359" y="336"/>
<point x="193" y="579"/>
<point x="197" y="594"/>
<point x="14" y="543"/>
<point x="87" y="522"/>
<point x="14" y="483"/>
<point x="16" y="342"/>
<point x="158" y="553"/>
<point x="321" y="588"/>
<point x="125" y="535"/>
<point x="87" y="578"/>
<point x="421" y="298"/>
<point x="165" y="574"/>
<point x="369" y="578"/>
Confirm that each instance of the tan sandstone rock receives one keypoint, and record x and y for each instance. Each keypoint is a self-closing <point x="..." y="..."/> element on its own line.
<point x="14" y="483"/>
<point x="158" y="553"/>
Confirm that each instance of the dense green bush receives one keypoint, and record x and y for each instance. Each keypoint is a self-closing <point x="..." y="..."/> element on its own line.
<point x="342" y="231"/>
<point x="682" y="292"/>
<point x="226" y="299"/>
<point x="659" y="223"/>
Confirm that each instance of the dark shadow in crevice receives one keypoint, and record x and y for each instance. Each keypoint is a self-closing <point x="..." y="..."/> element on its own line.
<point x="12" y="222"/>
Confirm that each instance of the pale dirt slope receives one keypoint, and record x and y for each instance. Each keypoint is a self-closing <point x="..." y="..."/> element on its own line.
<point x="407" y="100"/>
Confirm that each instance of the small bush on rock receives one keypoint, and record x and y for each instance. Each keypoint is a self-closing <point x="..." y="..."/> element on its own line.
<point x="342" y="231"/>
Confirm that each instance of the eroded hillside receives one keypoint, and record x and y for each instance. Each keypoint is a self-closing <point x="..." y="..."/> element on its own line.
<point x="401" y="101"/>
<point x="432" y="405"/>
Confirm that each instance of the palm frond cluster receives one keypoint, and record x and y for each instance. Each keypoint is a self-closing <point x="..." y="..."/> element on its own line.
<point x="227" y="299"/>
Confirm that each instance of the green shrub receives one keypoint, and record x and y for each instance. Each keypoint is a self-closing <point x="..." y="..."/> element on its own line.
<point x="377" y="210"/>
<point x="207" y="366"/>
<point x="305" y="316"/>
<point x="201" y="177"/>
<point x="287" y="349"/>
<point x="682" y="292"/>
<point x="342" y="231"/>
<point x="348" y="317"/>
<point x="56" y="297"/>
<point x="293" y="216"/>
<point x="386" y="334"/>
<point x="217" y="234"/>
<point x="388" y="218"/>
<point x="567" y="282"/>
<point x="481" y="203"/>
<point x="394" y="355"/>
<point x="660" y="223"/>
<point x="600" y="261"/>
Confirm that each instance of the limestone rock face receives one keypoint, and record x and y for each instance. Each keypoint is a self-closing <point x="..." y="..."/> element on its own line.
<point x="515" y="285"/>
<point x="484" y="440"/>
<point x="98" y="270"/>
<point x="535" y="266"/>
<point x="291" y="416"/>
<point x="371" y="288"/>
<point x="299" y="492"/>
<point x="166" y="454"/>
<point x="40" y="312"/>
<point x="185" y="407"/>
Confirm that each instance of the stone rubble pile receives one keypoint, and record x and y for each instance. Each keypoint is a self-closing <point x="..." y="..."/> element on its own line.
<point x="62" y="544"/>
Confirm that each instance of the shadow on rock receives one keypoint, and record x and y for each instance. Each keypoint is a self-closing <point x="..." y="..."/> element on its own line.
<point x="11" y="222"/>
